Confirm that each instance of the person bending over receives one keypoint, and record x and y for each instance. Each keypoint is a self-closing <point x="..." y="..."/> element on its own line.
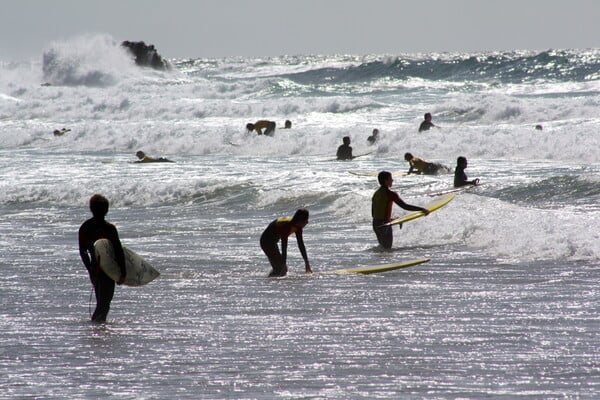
<point x="281" y="229"/>
<point x="258" y="126"/>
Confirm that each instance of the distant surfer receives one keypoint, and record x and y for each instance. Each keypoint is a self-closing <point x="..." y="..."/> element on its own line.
<point x="91" y="230"/>
<point x="374" y="137"/>
<point x="420" y="166"/>
<point x="539" y="128"/>
<point x="344" y="152"/>
<point x="426" y="124"/>
<point x="144" y="158"/>
<point x="258" y="126"/>
<point x="287" y="124"/>
<point x="381" y="209"/>
<point x="61" y="132"/>
<point x="280" y="229"/>
<point x="460" y="177"/>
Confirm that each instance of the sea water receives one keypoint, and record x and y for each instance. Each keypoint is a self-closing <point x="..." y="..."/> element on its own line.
<point x="508" y="306"/>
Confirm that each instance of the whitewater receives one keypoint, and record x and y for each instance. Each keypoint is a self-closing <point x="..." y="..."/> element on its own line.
<point x="508" y="306"/>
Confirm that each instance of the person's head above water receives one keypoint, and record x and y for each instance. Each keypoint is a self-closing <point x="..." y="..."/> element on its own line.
<point x="99" y="206"/>
<point x="346" y="139"/>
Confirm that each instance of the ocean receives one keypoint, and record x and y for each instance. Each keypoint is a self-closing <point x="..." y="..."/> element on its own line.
<point x="508" y="306"/>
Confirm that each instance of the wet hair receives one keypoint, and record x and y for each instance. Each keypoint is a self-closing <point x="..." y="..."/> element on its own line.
<point x="427" y="115"/>
<point x="346" y="139"/>
<point x="99" y="205"/>
<point x="301" y="215"/>
<point x="383" y="176"/>
<point x="408" y="156"/>
<point x="461" y="160"/>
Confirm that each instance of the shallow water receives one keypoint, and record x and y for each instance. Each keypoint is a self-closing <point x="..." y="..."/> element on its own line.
<point x="507" y="307"/>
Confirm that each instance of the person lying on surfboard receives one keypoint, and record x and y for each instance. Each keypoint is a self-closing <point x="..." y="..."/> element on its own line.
<point x="281" y="229"/>
<point x="460" y="177"/>
<point x="381" y="209"/>
<point x="91" y="230"/>
<point x="143" y="158"/>
<point x="420" y="166"/>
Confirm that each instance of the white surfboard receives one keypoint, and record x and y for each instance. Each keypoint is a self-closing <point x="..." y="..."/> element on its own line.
<point x="139" y="271"/>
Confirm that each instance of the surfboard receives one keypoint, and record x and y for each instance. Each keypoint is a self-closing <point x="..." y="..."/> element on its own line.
<point x="432" y="206"/>
<point x="371" y="173"/>
<point x="139" y="271"/>
<point x="373" y="269"/>
<point x="455" y="190"/>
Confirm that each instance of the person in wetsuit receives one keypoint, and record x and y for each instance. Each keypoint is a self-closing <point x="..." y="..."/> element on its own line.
<point x="91" y="230"/>
<point x="381" y="209"/>
<point x="420" y="166"/>
<point x="258" y="126"/>
<point x="374" y="137"/>
<point x="426" y="124"/>
<point x="344" y="152"/>
<point x="280" y="229"/>
<point x="460" y="177"/>
<point x="144" y="158"/>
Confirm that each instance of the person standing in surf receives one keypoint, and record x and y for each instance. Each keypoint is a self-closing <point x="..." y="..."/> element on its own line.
<point x="426" y="124"/>
<point x="91" y="230"/>
<point x="381" y="209"/>
<point x="281" y="229"/>
<point x="460" y="177"/>
<point x="344" y="152"/>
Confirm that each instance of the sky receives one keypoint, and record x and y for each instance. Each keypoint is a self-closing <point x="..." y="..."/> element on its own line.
<point x="264" y="28"/>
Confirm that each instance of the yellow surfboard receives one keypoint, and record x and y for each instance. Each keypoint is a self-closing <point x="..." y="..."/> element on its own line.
<point x="432" y="206"/>
<point x="373" y="269"/>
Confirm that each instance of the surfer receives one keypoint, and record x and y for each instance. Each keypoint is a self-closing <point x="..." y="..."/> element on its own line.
<point x="426" y="124"/>
<point x="91" y="230"/>
<point x="374" y="136"/>
<point x="460" y="177"/>
<point x="281" y="228"/>
<point x="381" y="209"/>
<point x="258" y="126"/>
<point x="420" y="166"/>
<point x="61" y="131"/>
<point x="143" y="158"/>
<point x="344" y="152"/>
<point x="287" y="124"/>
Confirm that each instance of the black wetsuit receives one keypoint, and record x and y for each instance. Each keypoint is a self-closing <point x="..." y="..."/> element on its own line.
<point x="277" y="230"/>
<point x="104" y="287"/>
<point x="425" y="126"/>
<point x="460" y="178"/>
<point x="344" y="152"/>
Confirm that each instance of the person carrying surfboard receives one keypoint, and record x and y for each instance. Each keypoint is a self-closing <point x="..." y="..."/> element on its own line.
<point x="381" y="209"/>
<point x="280" y="229"/>
<point x="91" y="230"/>
<point x="460" y="178"/>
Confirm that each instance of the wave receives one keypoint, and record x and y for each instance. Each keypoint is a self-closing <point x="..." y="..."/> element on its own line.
<point x="505" y="68"/>
<point x="89" y="60"/>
